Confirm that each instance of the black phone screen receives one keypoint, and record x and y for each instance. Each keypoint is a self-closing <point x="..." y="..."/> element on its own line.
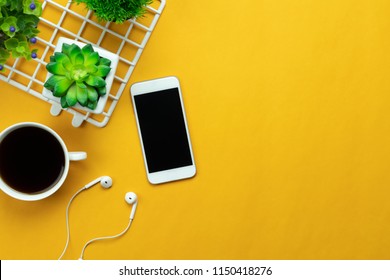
<point x="163" y="130"/>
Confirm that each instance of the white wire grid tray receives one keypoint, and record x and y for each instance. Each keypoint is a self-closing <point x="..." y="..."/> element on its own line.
<point x="62" y="18"/>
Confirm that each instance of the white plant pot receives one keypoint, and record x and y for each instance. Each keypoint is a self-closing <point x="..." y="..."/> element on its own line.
<point x="109" y="79"/>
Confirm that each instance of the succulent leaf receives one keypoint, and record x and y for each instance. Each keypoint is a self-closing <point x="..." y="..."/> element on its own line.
<point x="101" y="91"/>
<point x="67" y="75"/>
<point x="64" y="59"/>
<point x="56" y="68"/>
<point x="52" y="81"/>
<point x="81" y="85"/>
<point x="79" y="73"/>
<point x="64" y="104"/>
<point x="103" y="71"/>
<point x="92" y="94"/>
<point x="79" y="59"/>
<point x="92" y="59"/>
<point x="92" y="69"/>
<point x="60" y="57"/>
<point x="67" y="64"/>
<point x="65" y="48"/>
<point x="86" y="50"/>
<point x="92" y="105"/>
<point x="95" y="81"/>
<point x="104" y="61"/>
<point x="62" y="86"/>
<point x="82" y="95"/>
<point x="71" y="96"/>
<point x="74" y="51"/>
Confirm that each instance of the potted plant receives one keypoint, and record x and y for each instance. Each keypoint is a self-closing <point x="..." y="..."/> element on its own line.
<point x="18" y="28"/>
<point x="117" y="11"/>
<point x="80" y="75"/>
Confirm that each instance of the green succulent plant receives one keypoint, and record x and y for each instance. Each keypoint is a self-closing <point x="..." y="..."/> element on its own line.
<point x="18" y="28"/>
<point x="117" y="11"/>
<point x="78" y="75"/>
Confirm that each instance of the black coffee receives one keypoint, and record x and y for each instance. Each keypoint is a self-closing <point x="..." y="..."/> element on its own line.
<point x="31" y="160"/>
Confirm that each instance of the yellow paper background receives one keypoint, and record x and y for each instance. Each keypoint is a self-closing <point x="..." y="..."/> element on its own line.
<point x="288" y="109"/>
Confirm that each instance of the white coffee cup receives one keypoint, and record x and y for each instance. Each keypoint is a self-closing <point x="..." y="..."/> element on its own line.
<point x="62" y="174"/>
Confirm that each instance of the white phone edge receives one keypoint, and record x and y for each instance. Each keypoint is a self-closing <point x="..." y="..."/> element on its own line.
<point x="154" y="85"/>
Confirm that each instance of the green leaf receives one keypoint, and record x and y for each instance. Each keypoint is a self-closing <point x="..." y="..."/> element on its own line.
<point x="104" y="61"/>
<point x="79" y="73"/>
<point x="21" y="23"/>
<point x="21" y="38"/>
<point x="67" y="64"/>
<point x="4" y="26"/>
<point x="62" y="87"/>
<point x="79" y="59"/>
<point x="7" y="23"/>
<point x="64" y="104"/>
<point x="11" y="43"/>
<point x="95" y="81"/>
<point x="82" y="95"/>
<point x="27" y="21"/>
<point x="4" y="55"/>
<point x="20" y="50"/>
<point x="117" y="11"/>
<point x="92" y="94"/>
<point x="64" y="59"/>
<point x="15" y="5"/>
<point x="81" y="85"/>
<point x="66" y="48"/>
<point x="52" y="81"/>
<point x="74" y="52"/>
<point x="87" y="50"/>
<point x="30" y="32"/>
<point x="36" y="12"/>
<point x="56" y="68"/>
<point x="71" y="96"/>
<point x="102" y="91"/>
<point x="59" y="57"/>
<point x="91" y="69"/>
<point x="92" y="105"/>
<point x="92" y="59"/>
<point x="103" y="71"/>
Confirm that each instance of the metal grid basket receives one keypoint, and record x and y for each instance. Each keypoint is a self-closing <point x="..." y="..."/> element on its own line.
<point x="62" y="18"/>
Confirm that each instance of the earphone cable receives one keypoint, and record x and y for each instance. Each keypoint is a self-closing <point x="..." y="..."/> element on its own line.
<point x="105" y="238"/>
<point x="67" y="222"/>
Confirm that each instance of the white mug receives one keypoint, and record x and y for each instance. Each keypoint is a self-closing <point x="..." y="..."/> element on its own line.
<point x="6" y="138"/>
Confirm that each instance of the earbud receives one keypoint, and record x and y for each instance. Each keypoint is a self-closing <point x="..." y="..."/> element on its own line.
<point x="132" y="199"/>
<point x="105" y="181"/>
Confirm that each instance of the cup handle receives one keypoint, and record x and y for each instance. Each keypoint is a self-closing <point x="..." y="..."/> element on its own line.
<point x="75" y="156"/>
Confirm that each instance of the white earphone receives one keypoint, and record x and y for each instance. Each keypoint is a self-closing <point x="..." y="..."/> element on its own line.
<point x="132" y="199"/>
<point x="106" y="182"/>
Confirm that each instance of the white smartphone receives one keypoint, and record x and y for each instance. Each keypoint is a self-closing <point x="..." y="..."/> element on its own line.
<point x="163" y="130"/>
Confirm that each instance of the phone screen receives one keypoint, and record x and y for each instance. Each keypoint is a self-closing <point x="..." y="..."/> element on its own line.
<point x="163" y="130"/>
